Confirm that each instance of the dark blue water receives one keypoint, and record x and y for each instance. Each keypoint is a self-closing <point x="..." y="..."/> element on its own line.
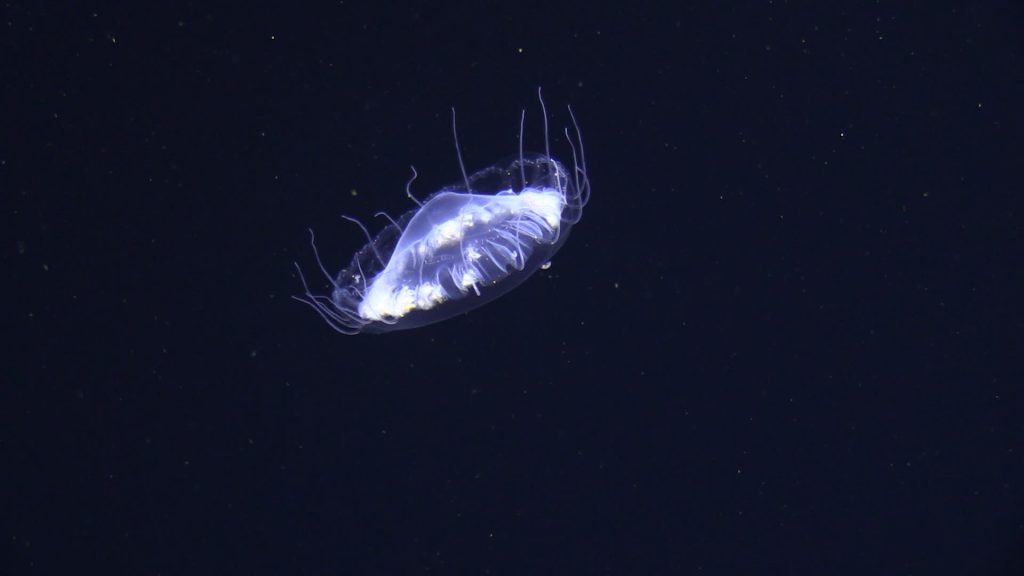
<point x="785" y="338"/>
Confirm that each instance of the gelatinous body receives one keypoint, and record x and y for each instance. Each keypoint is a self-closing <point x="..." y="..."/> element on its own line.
<point x="460" y="249"/>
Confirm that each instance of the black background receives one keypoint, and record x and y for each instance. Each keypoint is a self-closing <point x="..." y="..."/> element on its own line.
<point x="784" y="339"/>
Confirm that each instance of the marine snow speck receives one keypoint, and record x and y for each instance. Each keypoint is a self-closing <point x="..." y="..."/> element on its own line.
<point x="463" y="247"/>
